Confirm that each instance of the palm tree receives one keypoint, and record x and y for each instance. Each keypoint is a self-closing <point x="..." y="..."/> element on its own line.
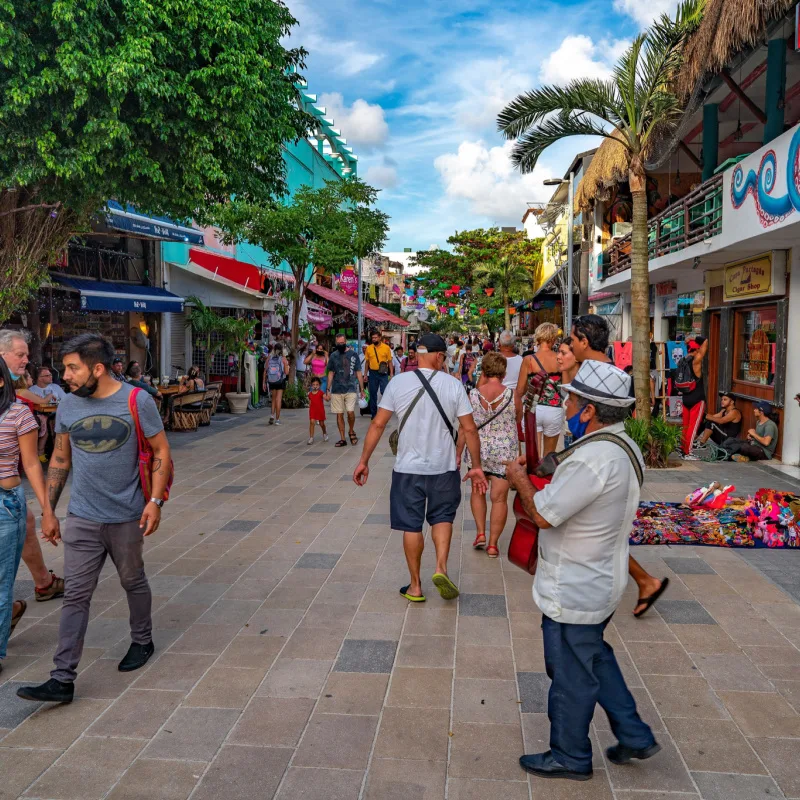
<point x="636" y="106"/>
<point x="203" y="321"/>
<point x="508" y="276"/>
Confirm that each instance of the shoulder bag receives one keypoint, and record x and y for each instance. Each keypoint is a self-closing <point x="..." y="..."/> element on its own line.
<point x="383" y="366"/>
<point x="146" y="454"/>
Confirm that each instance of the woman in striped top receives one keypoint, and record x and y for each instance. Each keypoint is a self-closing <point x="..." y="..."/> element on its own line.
<point x="18" y="436"/>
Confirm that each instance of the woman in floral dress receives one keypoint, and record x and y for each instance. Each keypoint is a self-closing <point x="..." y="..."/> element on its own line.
<point x="495" y="416"/>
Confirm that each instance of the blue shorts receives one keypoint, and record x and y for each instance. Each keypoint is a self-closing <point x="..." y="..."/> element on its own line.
<point x="416" y="498"/>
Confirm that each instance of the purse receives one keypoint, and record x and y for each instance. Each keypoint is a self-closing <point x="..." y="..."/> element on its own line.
<point x="383" y="366"/>
<point x="523" y="548"/>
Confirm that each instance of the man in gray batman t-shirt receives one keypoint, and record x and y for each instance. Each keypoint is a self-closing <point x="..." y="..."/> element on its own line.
<point x="109" y="515"/>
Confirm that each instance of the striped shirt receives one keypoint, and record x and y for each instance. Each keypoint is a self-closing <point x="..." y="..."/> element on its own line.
<point x="17" y="422"/>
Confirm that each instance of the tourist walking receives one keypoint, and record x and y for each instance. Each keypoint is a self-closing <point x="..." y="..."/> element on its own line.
<point x="426" y="484"/>
<point x="379" y="369"/>
<point x="18" y="435"/>
<point x="48" y="585"/>
<point x="585" y="516"/>
<point x="317" y="361"/>
<point x="507" y="347"/>
<point x="345" y="386"/>
<point x="97" y="437"/>
<point x="316" y="410"/>
<point x="589" y="344"/>
<point x="569" y="368"/>
<point x="276" y="375"/>
<point x="549" y="408"/>
<point x="495" y="417"/>
<point x="410" y="363"/>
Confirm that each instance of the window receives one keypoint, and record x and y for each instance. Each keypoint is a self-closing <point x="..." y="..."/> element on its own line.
<point x="755" y="345"/>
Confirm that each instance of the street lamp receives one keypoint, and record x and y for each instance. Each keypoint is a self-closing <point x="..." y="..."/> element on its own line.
<point x="571" y="224"/>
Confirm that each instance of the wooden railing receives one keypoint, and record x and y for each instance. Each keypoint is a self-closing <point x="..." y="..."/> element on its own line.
<point x="694" y="218"/>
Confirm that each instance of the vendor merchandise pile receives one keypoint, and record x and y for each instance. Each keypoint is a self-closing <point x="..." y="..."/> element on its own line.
<point x="712" y="516"/>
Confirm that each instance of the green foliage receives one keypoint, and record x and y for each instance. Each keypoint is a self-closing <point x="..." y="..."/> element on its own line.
<point x="323" y="228"/>
<point x="655" y="437"/>
<point x="204" y="322"/>
<point x="235" y="333"/>
<point x="294" y="396"/>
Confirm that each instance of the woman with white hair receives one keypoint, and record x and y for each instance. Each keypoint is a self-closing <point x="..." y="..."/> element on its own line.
<point x="549" y="409"/>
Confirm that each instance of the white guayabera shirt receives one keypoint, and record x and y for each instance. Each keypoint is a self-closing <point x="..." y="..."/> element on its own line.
<point x="583" y="559"/>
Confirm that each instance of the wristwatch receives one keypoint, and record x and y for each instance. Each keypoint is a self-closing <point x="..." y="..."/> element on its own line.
<point x="159" y="503"/>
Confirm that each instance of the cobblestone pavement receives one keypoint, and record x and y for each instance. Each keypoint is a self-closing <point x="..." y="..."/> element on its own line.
<point x="288" y="666"/>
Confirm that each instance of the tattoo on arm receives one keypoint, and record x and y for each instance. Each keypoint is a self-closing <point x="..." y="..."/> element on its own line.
<point x="56" y="481"/>
<point x="157" y="462"/>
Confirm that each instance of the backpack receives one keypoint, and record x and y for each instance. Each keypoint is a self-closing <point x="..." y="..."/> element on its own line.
<point x="146" y="453"/>
<point x="685" y="379"/>
<point x="275" y="370"/>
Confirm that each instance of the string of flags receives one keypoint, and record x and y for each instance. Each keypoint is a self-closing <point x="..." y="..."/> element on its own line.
<point x="446" y="298"/>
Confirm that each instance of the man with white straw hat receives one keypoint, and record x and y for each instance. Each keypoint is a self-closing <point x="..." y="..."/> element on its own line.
<point x="585" y="516"/>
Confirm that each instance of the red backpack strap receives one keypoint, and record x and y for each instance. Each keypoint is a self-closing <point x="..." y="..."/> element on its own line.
<point x="134" y="409"/>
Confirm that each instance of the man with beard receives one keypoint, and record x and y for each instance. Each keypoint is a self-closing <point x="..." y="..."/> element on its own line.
<point x="108" y="512"/>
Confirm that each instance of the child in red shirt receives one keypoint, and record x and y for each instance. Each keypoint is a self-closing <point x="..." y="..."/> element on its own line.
<point x="316" y="410"/>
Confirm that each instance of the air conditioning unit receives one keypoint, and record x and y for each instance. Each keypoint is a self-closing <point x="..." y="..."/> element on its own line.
<point x="621" y="229"/>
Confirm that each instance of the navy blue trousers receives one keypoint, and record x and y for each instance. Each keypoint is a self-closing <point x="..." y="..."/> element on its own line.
<point x="377" y="382"/>
<point x="584" y="672"/>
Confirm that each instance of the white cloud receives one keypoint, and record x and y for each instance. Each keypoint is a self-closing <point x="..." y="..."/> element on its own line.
<point x="363" y="124"/>
<point x="579" y="57"/>
<point x="383" y="175"/>
<point x="645" y="12"/>
<point x="488" y="181"/>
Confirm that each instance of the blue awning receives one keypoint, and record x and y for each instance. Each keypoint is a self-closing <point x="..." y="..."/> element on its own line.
<point x="109" y="296"/>
<point x="129" y="219"/>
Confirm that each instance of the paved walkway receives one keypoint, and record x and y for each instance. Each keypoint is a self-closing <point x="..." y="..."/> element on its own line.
<point x="288" y="666"/>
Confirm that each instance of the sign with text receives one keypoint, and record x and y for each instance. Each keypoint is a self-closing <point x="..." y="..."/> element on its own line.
<point x="749" y="278"/>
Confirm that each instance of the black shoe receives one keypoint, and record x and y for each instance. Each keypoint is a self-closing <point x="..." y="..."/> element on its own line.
<point x="619" y="754"/>
<point x="545" y="766"/>
<point x="136" y="657"/>
<point x="52" y="691"/>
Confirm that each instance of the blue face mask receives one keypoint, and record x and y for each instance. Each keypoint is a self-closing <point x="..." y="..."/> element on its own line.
<point x="576" y="427"/>
<point x="13" y="376"/>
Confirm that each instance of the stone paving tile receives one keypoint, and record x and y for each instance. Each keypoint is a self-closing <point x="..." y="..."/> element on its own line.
<point x="262" y="598"/>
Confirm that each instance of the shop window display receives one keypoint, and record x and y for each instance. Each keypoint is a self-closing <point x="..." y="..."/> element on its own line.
<point x="755" y="345"/>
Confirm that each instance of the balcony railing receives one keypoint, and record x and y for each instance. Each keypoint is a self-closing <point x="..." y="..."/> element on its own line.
<point x="692" y="219"/>
<point x="100" y="264"/>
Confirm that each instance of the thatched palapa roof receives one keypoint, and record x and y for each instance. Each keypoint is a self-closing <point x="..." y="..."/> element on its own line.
<point x="728" y="27"/>
<point x="608" y="168"/>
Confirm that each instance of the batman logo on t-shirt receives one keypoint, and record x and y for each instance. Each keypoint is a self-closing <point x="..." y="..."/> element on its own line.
<point x="99" y="433"/>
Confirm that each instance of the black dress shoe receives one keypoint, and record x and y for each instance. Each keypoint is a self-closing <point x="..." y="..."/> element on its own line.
<point x="52" y="691"/>
<point x="619" y="754"/>
<point x="136" y="657"/>
<point x="545" y="766"/>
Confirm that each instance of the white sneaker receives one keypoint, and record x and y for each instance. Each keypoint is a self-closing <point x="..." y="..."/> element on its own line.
<point x="691" y="457"/>
<point x="324" y="437"/>
<point x="277" y="422"/>
<point x="310" y="441"/>
<point x="271" y="420"/>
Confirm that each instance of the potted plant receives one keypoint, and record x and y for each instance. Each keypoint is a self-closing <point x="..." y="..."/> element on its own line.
<point x="656" y="438"/>
<point x="203" y="322"/>
<point x="235" y="333"/>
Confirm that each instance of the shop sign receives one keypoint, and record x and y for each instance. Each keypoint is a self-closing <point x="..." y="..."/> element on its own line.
<point x="666" y="288"/>
<point x="348" y="281"/>
<point x="607" y="309"/>
<point x="670" y="307"/>
<point x="748" y="278"/>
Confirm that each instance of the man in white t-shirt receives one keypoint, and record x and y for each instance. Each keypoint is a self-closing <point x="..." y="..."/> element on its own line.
<point x="426" y="481"/>
<point x="506" y="343"/>
<point x="44" y="385"/>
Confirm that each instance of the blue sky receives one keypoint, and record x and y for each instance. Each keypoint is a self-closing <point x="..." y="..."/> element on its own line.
<point x="416" y="87"/>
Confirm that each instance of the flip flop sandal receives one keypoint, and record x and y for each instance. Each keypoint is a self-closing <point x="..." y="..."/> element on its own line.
<point x="18" y="616"/>
<point x="447" y="589"/>
<point x="341" y="443"/>
<point x="414" y="598"/>
<point x="353" y="439"/>
<point x="492" y="551"/>
<point x="480" y="541"/>
<point x="649" y="601"/>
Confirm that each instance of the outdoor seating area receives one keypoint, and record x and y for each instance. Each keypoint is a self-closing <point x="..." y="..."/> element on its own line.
<point x="184" y="410"/>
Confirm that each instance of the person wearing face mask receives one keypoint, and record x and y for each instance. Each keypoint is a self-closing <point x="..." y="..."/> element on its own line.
<point x="317" y="361"/>
<point x="109" y="514"/>
<point x="589" y="343"/>
<point x="345" y="384"/>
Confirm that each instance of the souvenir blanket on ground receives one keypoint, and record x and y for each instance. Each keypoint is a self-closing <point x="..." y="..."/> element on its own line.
<point x="770" y="519"/>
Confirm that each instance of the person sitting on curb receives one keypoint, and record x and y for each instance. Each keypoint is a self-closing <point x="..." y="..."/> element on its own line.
<point x="725" y="424"/>
<point x="761" y="441"/>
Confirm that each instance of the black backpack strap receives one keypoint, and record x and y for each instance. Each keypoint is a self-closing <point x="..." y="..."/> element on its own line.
<point x="409" y="410"/>
<point x="436" y="402"/>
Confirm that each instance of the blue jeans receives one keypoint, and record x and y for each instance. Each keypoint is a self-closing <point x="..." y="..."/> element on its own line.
<point x="12" y="536"/>
<point x="376" y="382"/>
<point x="584" y="672"/>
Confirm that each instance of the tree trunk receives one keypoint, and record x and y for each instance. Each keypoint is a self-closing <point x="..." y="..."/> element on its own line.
<point x="583" y="303"/>
<point x="507" y="318"/>
<point x="297" y="305"/>
<point x="640" y="299"/>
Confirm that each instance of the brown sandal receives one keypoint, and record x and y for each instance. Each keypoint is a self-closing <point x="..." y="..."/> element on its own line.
<point x="23" y="607"/>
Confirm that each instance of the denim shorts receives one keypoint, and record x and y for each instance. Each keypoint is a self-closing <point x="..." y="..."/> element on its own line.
<point x="13" y="512"/>
<point x="416" y="498"/>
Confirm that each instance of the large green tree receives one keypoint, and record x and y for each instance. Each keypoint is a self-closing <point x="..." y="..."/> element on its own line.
<point x="171" y="106"/>
<point x="636" y="106"/>
<point x="320" y="230"/>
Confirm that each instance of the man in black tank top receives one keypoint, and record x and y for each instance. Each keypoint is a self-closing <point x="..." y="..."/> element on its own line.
<point x="725" y="424"/>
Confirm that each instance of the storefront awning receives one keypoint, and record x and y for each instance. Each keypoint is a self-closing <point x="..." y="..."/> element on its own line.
<point x="109" y="296"/>
<point x="234" y="273"/>
<point x="375" y="313"/>
<point x="129" y="220"/>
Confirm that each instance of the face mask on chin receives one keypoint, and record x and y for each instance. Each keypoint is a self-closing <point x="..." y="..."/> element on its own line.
<point x="14" y="376"/>
<point x="88" y="388"/>
<point x="576" y="427"/>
